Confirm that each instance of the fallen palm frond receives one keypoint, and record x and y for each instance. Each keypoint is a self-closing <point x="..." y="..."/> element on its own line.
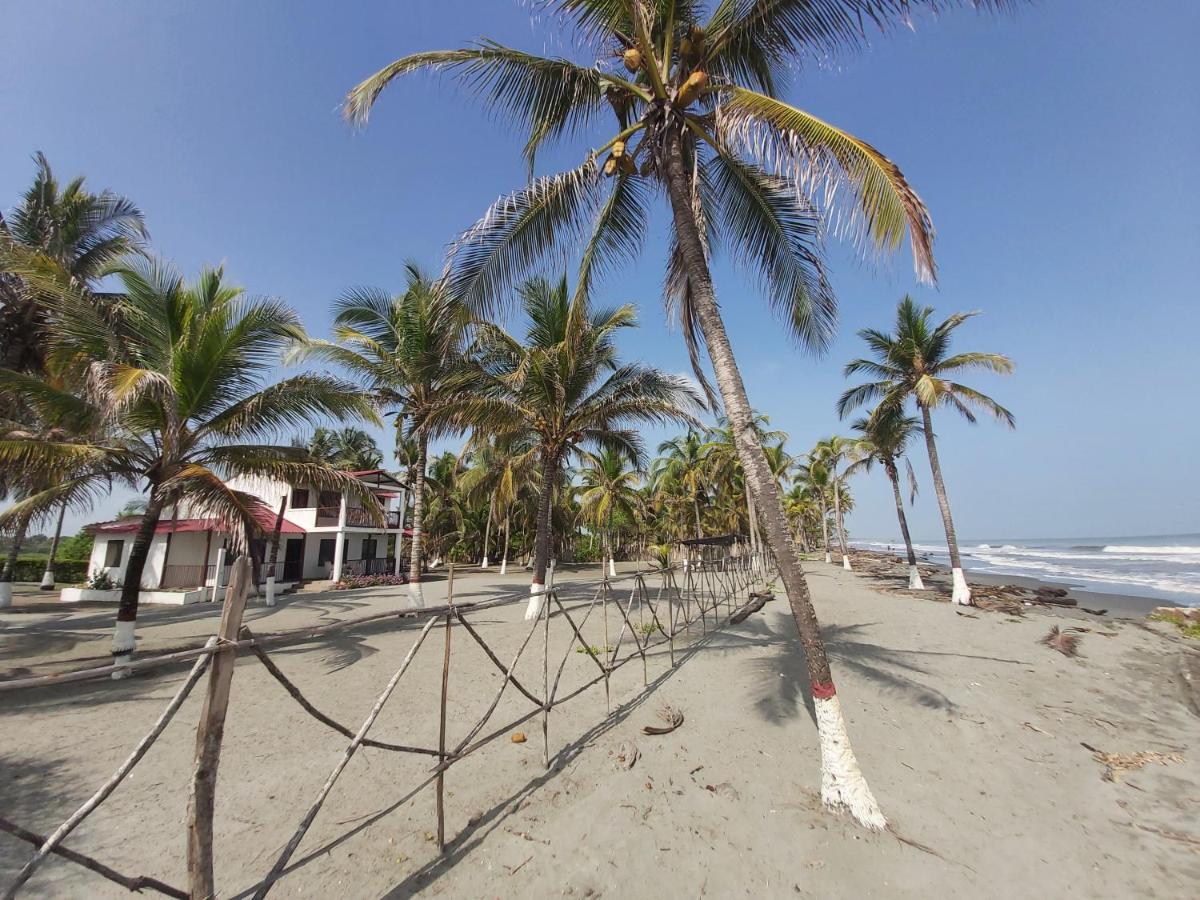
<point x="670" y="715"/>
<point x="1065" y="642"/>
<point x="1116" y="763"/>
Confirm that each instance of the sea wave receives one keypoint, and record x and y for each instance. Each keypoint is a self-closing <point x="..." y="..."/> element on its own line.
<point x="1137" y="550"/>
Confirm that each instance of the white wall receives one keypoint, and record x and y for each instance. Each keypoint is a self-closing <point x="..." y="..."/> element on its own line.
<point x="154" y="562"/>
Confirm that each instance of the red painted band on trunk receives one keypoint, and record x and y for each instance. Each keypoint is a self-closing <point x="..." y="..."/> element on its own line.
<point x="823" y="691"/>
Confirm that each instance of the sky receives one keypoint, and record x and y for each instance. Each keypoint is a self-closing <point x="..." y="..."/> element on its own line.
<point x="1053" y="146"/>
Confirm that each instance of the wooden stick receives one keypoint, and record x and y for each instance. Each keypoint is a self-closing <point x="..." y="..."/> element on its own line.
<point x="441" y="778"/>
<point x="306" y="822"/>
<point x="307" y="706"/>
<point x="131" y="883"/>
<point x="546" y="682"/>
<point x="115" y="779"/>
<point x="210" y="731"/>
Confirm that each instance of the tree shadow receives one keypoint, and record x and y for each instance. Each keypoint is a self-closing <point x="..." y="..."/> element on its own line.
<point x="33" y="793"/>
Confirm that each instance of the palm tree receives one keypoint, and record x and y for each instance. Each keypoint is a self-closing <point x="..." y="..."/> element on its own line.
<point x="409" y="349"/>
<point x="831" y="453"/>
<point x="349" y="448"/>
<point x="563" y="388"/>
<point x="698" y="117"/>
<point x="609" y="487"/>
<point x="177" y="370"/>
<point x="884" y="440"/>
<point x="816" y="480"/>
<point x="499" y="471"/>
<point x="915" y="362"/>
<point x="63" y="234"/>
<point x="681" y="469"/>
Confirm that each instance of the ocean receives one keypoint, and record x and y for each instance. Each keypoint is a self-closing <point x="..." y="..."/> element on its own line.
<point x="1165" y="567"/>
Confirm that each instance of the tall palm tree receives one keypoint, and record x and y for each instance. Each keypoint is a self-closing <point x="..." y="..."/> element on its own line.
<point x="346" y="448"/>
<point x="499" y="471"/>
<point x="695" y="96"/>
<point x="724" y="459"/>
<point x="564" y="388"/>
<point x="681" y="468"/>
<point x="815" y="477"/>
<point x="63" y="234"/>
<point x="831" y="453"/>
<point x="609" y="487"/>
<point x="409" y="349"/>
<point x="176" y="369"/>
<point x="915" y="362"/>
<point x="884" y="439"/>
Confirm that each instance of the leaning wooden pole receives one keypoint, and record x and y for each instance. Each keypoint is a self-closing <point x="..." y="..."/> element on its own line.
<point x="117" y="777"/>
<point x="209" y="734"/>
<point x="441" y="775"/>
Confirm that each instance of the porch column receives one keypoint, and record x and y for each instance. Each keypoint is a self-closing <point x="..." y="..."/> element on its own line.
<point x="339" y="547"/>
<point x="216" y="591"/>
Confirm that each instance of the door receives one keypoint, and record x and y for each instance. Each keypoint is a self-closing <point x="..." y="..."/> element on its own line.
<point x="293" y="559"/>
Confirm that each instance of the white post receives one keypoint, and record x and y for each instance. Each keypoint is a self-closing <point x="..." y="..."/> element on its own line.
<point x="612" y="568"/>
<point x="5" y="594"/>
<point x="216" y="589"/>
<point x="339" y="547"/>
<point x="914" y="579"/>
<point x="845" y="562"/>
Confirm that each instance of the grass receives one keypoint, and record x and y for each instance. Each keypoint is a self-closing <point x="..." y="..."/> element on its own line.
<point x="1189" y="628"/>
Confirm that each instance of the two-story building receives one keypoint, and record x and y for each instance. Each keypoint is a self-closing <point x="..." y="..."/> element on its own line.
<point x="323" y="536"/>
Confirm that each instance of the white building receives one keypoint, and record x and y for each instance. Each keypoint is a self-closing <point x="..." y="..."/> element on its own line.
<point x="324" y="536"/>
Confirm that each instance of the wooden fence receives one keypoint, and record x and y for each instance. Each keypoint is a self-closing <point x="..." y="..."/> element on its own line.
<point x="675" y="600"/>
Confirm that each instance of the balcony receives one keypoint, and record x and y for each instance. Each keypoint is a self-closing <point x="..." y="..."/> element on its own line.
<point x="355" y="517"/>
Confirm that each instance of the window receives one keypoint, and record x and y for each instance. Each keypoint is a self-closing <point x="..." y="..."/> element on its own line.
<point x="300" y="498"/>
<point x="325" y="551"/>
<point x="368" y="548"/>
<point x="330" y="500"/>
<point x="113" y="552"/>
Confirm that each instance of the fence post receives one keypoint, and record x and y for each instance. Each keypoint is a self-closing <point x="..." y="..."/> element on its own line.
<point x="209" y="732"/>
<point x="441" y="775"/>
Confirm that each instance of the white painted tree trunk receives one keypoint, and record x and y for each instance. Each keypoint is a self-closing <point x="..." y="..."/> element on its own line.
<point x="269" y="598"/>
<point x="846" y="563"/>
<point x="828" y="557"/>
<point x="961" y="593"/>
<point x="842" y="783"/>
<point x="122" y="649"/>
<point x="612" y="568"/>
<point x="416" y="596"/>
<point x="537" y="598"/>
<point x="914" y="579"/>
<point x="5" y="594"/>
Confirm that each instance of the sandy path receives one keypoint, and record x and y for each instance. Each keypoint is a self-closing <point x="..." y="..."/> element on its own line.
<point x="936" y="702"/>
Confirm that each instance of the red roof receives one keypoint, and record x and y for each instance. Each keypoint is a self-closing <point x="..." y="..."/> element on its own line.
<point x="130" y="524"/>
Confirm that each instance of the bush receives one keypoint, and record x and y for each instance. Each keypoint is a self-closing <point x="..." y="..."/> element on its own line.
<point x="365" y="581"/>
<point x="30" y="568"/>
<point x="102" y="581"/>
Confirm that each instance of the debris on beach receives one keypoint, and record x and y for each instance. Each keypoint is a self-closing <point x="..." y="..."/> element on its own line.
<point x="1116" y="763"/>
<point x="625" y="755"/>
<point x="518" y="737"/>
<point x="670" y="715"/>
<point x="1065" y="642"/>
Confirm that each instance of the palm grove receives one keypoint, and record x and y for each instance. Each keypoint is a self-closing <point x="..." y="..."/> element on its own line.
<point x="160" y="385"/>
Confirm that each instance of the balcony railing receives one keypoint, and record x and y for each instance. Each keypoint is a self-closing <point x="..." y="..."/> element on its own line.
<point x="356" y="517"/>
<point x="381" y="566"/>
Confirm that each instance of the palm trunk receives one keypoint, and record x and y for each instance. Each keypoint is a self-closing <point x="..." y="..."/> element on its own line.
<point x="960" y="594"/>
<point x="842" y="783"/>
<point x="696" y="512"/>
<point x="48" y="575"/>
<point x="271" y="574"/>
<point x="127" y="610"/>
<point x="914" y="576"/>
<point x="541" y="543"/>
<point x="415" y="594"/>
<point x="9" y="574"/>
<point x="825" y="528"/>
<point x="487" y="529"/>
<point x="504" y="558"/>
<point x="837" y="520"/>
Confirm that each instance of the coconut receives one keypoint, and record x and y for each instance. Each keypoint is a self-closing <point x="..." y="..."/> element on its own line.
<point x="627" y="165"/>
<point x="618" y="149"/>
<point x="633" y="59"/>
<point x="691" y="88"/>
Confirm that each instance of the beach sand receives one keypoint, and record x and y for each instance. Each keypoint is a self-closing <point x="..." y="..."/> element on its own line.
<point x="970" y="732"/>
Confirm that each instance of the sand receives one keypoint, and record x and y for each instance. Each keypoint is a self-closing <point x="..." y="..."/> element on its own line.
<point x="969" y="730"/>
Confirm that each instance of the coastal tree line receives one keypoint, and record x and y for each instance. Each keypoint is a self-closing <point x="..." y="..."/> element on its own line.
<point x="162" y="385"/>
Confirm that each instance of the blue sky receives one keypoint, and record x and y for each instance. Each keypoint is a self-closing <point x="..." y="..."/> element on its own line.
<point x="1053" y="147"/>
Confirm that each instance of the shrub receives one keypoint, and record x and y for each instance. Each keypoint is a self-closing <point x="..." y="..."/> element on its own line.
<point x="351" y="582"/>
<point x="102" y="581"/>
<point x="30" y="568"/>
